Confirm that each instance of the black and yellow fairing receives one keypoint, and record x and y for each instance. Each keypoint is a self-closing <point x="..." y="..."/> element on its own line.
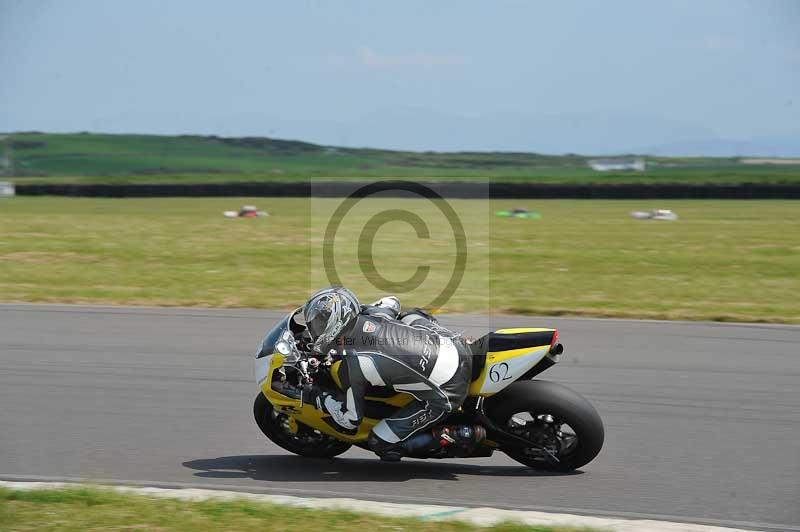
<point x="505" y="356"/>
<point x="309" y="415"/>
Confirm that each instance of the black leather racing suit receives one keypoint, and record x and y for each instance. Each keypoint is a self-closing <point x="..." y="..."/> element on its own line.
<point x="414" y="356"/>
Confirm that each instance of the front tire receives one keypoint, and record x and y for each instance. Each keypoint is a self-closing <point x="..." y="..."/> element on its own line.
<point x="545" y="411"/>
<point x="306" y="442"/>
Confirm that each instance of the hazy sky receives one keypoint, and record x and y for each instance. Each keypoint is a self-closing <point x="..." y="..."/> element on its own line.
<point x="535" y="76"/>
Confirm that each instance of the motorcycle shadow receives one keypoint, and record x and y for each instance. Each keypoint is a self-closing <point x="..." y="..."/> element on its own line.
<point x="287" y="468"/>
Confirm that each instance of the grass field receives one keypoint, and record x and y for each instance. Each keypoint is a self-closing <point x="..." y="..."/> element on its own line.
<point x="724" y="260"/>
<point x="80" y="509"/>
<point x="96" y="158"/>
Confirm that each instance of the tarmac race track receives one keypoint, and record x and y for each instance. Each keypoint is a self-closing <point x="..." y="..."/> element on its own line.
<point x="702" y="419"/>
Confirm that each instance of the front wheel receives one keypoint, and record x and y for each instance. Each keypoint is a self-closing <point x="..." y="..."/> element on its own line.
<point x="564" y="428"/>
<point x="305" y="441"/>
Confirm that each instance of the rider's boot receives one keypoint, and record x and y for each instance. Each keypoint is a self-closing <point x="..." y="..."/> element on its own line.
<point x="388" y="452"/>
<point x="427" y="442"/>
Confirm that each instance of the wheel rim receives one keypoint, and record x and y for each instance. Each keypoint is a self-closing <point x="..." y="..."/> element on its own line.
<point x="553" y="438"/>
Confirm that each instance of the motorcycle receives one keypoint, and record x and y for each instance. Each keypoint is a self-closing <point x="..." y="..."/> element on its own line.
<point x="540" y="424"/>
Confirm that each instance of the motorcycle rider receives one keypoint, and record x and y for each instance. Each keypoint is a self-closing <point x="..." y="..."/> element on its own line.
<point x="408" y="352"/>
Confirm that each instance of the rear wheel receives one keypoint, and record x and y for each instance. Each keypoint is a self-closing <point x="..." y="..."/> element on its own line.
<point x="305" y="441"/>
<point x="565" y="430"/>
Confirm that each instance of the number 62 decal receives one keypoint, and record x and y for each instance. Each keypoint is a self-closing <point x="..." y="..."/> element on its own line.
<point x="499" y="372"/>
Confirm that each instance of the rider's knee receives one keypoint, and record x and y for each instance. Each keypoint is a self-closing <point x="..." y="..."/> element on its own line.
<point x="382" y="433"/>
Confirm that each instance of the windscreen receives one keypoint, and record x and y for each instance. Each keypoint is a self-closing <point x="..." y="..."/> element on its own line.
<point x="273" y="335"/>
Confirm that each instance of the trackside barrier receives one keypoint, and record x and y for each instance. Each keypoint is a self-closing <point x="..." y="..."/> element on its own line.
<point x="446" y="190"/>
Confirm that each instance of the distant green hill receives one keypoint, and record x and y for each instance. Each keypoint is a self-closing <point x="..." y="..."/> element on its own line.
<point x="89" y="157"/>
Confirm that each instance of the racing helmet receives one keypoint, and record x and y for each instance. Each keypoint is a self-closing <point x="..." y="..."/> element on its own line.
<point x="328" y="312"/>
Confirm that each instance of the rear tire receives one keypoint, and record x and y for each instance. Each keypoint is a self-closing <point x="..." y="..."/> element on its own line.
<point x="307" y="442"/>
<point x="564" y="405"/>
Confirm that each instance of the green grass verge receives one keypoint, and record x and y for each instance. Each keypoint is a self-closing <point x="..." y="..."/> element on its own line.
<point x="724" y="260"/>
<point x="79" y="509"/>
<point x="97" y="158"/>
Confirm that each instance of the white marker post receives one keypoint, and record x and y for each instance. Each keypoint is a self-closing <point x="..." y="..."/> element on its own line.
<point x="7" y="190"/>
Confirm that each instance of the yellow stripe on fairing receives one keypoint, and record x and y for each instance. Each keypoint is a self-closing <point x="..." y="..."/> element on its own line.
<point x="522" y="330"/>
<point x="500" y="356"/>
